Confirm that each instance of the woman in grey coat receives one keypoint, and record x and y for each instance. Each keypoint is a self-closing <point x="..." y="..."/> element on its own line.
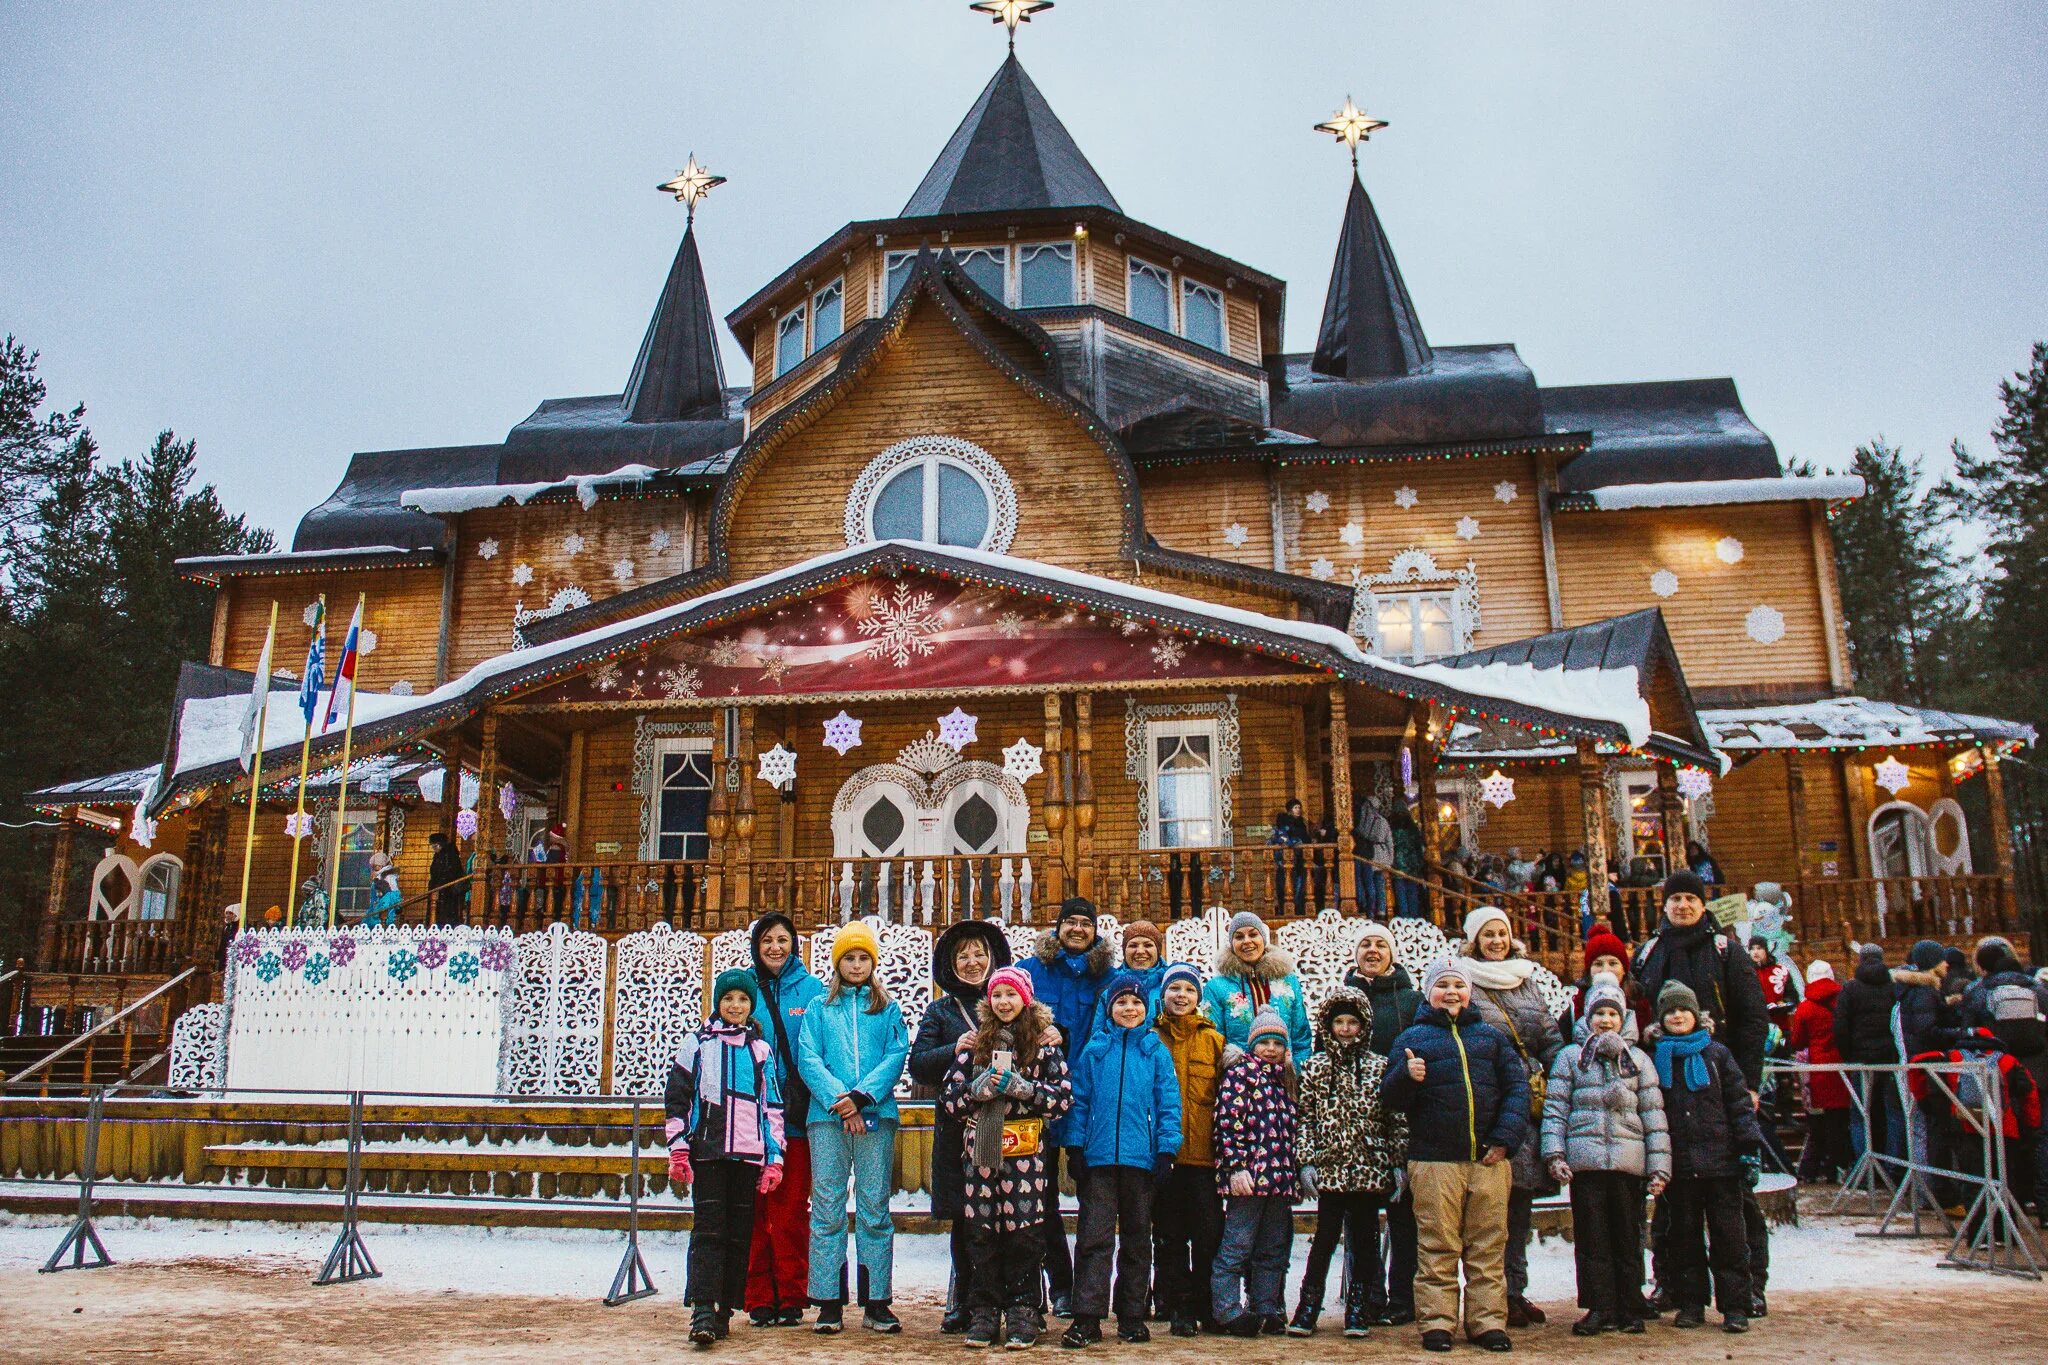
<point x="1604" y="1131"/>
<point x="1505" y="997"/>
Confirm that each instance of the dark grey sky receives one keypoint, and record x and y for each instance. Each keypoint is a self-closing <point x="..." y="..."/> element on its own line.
<point x="292" y="232"/>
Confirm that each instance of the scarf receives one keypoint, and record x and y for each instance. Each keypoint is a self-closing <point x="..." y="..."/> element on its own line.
<point x="990" y="1113"/>
<point x="1504" y="975"/>
<point x="1689" y="1046"/>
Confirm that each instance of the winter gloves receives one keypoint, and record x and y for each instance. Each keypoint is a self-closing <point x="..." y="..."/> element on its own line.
<point x="679" y="1165"/>
<point x="771" y="1177"/>
<point x="1162" y="1167"/>
<point x="1752" y="1169"/>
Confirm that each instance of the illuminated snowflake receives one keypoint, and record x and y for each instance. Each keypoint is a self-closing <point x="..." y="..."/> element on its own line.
<point x="1664" y="583"/>
<point x="1765" y="624"/>
<point x="1130" y="628"/>
<point x="522" y="574"/>
<point x="861" y="601"/>
<point x="465" y="824"/>
<point x="572" y="544"/>
<point x="957" y="729"/>
<point x="605" y="677"/>
<point x="678" y="682"/>
<point x="842" y="732"/>
<point x="298" y="825"/>
<point x="1728" y="550"/>
<point x="1496" y="789"/>
<point x="660" y="541"/>
<point x="777" y="767"/>
<point x="773" y="666"/>
<point x="508" y="800"/>
<point x="1693" y="783"/>
<point x="1505" y="491"/>
<point x="622" y="569"/>
<point x="901" y="625"/>
<point x="1236" y="534"/>
<point x="725" y="653"/>
<point x="1321" y="568"/>
<point x="485" y="549"/>
<point x="1168" y="651"/>
<point x="1468" y="528"/>
<point x="1318" y="501"/>
<point x="1023" y="760"/>
<point x="1405" y="497"/>
<point x="1352" y="534"/>
<point x="1010" y="625"/>
<point x="1893" y="775"/>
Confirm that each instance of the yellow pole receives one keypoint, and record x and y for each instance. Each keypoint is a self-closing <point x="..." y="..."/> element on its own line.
<point x="256" y="780"/>
<point x="348" y="734"/>
<point x="291" y="903"/>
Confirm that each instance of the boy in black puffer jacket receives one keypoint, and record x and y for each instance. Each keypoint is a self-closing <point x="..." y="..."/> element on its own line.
<point x="1715" y="1157"/>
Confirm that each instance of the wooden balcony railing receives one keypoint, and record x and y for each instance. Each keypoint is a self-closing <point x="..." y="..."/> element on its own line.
<point x="1875" y="908"/>
<point x="1176" y="883"/>
<point x="118" y="946"/>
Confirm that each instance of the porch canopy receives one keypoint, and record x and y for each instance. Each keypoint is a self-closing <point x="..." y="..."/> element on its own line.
<point x="1847" y="723"/>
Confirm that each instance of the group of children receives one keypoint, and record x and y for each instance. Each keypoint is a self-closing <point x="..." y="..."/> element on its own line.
<point x="1190" y="1149"/>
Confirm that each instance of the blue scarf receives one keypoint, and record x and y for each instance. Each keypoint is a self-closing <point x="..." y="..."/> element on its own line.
<point x="1688" y="1046"/>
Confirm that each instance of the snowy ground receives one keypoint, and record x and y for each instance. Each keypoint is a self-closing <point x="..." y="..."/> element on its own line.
<point x="242" y="1291"/>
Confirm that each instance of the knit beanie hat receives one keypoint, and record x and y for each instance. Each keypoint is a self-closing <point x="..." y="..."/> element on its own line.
<point x="1180" y="971"/>
<point x="1682" y="881"/>
<point x="1437" y="971"/>
<point x="1016" y="978"/>
<point x="733" y="979"/>
<point x="1145" y="928"/>
<point x="1870" y="951"/>
<point x="1820" y="969"/>
<point x="1676" y="995"/>
<point x="1992" y="950"/>
<point x="1245" y="919"/>
<point x="1374" y="929"/>
<point x="1926" y="955"/>
<point x="1606" y="991"/>
<point x="1957" y="960"/>
<point x="1606" y="943"/>
<point x="855" y="935"/>
<point x="1077" y="907"/>
<point x="1123" y="983"/>
<point x="1266" y="1024"/>
<point x="1479" y="917"/>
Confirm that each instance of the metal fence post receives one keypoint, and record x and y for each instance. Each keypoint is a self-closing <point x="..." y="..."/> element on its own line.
<point x="349" y="1260"/>
<point x="82" y="1234"/>
<point x="632" y="1281"/>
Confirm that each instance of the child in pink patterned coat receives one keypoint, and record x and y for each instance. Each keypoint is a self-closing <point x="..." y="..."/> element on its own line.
<point x="1256" y="1121"/>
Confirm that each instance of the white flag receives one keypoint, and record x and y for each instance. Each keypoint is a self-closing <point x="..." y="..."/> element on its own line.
<point x="259" y="697"/>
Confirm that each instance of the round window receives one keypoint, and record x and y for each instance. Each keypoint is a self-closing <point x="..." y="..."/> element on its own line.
<point x="936" y="489"/>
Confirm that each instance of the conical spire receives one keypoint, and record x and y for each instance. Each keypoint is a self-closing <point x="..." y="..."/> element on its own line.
<point x="678" y="373"/>
<point x="1370" y="330"/>
<point x="1010" y="152"/>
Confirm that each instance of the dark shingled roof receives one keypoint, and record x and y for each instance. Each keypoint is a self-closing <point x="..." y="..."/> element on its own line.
<point x="1010" y="152"/>
<point x="364" y="510"/>
<point x="1672" y="431"/>
<point x="678" y="373"/>
<point x="565" y="437"/>
<point x="1467" y="393"/>
<point x="1370" y="330"/>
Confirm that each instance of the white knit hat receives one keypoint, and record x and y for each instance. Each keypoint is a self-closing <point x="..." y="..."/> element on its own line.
<point x="1480" y="916"/>
<point x="1374" y="929"/>
<point x="1820" y="969"/>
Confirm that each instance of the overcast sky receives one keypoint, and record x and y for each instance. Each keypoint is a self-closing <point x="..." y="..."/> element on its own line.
<point x="292" y="232"/>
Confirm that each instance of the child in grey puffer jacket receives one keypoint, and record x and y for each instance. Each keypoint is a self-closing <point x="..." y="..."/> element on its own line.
<point x="1604" y="1131"/>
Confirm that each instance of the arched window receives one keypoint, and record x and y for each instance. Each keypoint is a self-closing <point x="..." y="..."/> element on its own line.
<point x="161" y="877"/>
<point x="937" y="489"/>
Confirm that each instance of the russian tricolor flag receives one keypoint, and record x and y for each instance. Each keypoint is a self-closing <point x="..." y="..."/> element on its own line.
<point x="344" y="673"/>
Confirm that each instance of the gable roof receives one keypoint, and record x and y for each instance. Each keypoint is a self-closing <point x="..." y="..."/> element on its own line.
<point x="1010" y="152"/>
<point x="1370" y="328"/>
<point x="678" y="373"/>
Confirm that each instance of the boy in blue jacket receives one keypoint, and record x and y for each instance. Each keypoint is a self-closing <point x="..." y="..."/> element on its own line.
<point x="1462" y="1085"/>
<point x="1123" y="1133"/>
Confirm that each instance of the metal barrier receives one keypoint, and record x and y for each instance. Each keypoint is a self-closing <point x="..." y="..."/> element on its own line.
<point x="1993" y="1234"/>
<point x="82" y="1233"/>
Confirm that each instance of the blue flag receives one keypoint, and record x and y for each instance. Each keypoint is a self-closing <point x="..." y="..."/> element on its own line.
<point x="316" y="663"/>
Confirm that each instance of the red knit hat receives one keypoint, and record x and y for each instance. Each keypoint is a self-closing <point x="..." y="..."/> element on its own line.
<point x="1605" y="943"/>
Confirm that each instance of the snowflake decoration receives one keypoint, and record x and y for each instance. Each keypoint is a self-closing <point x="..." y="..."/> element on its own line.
<point x="773" y="666"/>
<point x="433" y="952"/>
<point x="1010" y="625"/>
<point x="842" y="732"/>
<point x="1694" y="783"/>
<point x="485" y="549"/>
<point x="1765" y="624"/>
<point x="622" y="570"/>
<point x="1496" y="789"/>
<point x="342" y="948"/>
<point x="508" y="800"/>
<point x="366" y="642"/>
<point x="247" y="949"/>
<point x="402" y="688"/>
<point x="1468" y="528"/>
<point x="1318" y="501"/>
<point x="1130" y="628"/>
<point x="269" y="968"/>
<point x="901" y="625"/>
<point x="605" y="677"/>
<point x="1169" y="651"/>
<point x="1505" y="491"/>
<point x="402" y="965"/>
<point x="957" y="729"/>
<point x="462" y="968"/>
<point x="725" y="653"/>
<point x="660" y="541"/>
<point x="1236" y="534"/>
<point x="778" y="767"/>
<point x="678" y="682"/>
<point x="1405" y="498"/>
<point x="294" y="955"/>
<point x="1728" y="550"/>
<point x="1321" y="568"/>
<point x="465" y="824"/>
<point x="496" y="954"/>
<point x="522" y="574"/>
<point x="316" y="969"/>
<point x="1023" y="760"/>
<point x="1352" y="534"/>
<point x="1893" y="775"/>
<point x="298" y="825"/>
<point x="310" y="614"/>
<point x="572" y="544"/>
<point x="1664" y="583"/>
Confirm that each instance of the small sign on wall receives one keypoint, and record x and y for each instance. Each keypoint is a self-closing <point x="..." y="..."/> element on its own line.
<point x="605" y="846"/>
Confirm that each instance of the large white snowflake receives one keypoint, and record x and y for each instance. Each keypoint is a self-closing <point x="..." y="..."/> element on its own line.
<point x="1893" y="775"/>
<point x="298" y="825"/>
<point x="1009" y="625"/>
<point x="1352" y="534"/>
<point x="1405" y="497"/>
<point x="678" y="682"/>
<point x="957" y="729"/>
<point x="1168" y="651"/>
<point x="725" y="652"/>
<point x="1765" y="624"/>
<point x="1664" y="583"/>
<point x="901" y="624"/>
<point x="310" y="614"/>
<point x="1505" y="491"/>
<point x="402" y="688"/>
<point x="1023" y="760"/>
<point x="1728" y="550"/>
<point x="605" y="677"/>
<point x="366" y="641"/>
<point x="1321" y="568"/>
<point x="1468" y="528"/>
<point x="1236" y="534"/>
<point x="622" y="570"/>
<point x="572" y="544"/>
<point x="660" y="540"/>
<point x="777" y="766"/>
<point x="487" y="549"/>
<point x="1693" y="783"/>
<point x="1318" y="501"/>
<point x="522" y="574"/>
<point x="1496" y="789"/>
<point x="842" y="732"/>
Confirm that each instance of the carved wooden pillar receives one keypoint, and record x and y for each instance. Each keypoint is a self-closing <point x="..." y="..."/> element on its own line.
<point x="1671" y="815"/>
<point x="1795" y="805"/>
<point x="384" y="824"/>
<point x="1084" y="793"/>
<point x="1425" y="788"/>
<point x="2001" y="838"/>
<point x="572" y="794"/>
<point x="1340" y="791"/>
<point x="53" y="903"/>
<point x="480" y="891"/>
<point x="743" y="814"/>
<point x="717" y="819"/>
<point x="1593" y="825"/>
<point x="1057" y="874"/>
<point x="1856" y="797"/>
<point x="451" y="786"/>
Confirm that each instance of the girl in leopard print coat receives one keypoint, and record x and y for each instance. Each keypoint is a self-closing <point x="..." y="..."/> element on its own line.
<point x="1351" y="1148"/>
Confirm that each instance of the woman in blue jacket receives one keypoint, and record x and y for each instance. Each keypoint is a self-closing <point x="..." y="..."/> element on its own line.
<point x="850" y="1054"/>
<point x="1251" y="975"/>
<point x="778" y="1263"/>
<point x="1123" y="1133"/>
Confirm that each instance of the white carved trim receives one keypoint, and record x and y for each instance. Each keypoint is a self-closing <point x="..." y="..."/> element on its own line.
<point x="987" y="470"/>
<point x="658" y="998"/>
<point x="198" y="1048"/>
<point x="1416" y="570"/>
<point x="1138" y="754"/>
<point x="645" y="733"/>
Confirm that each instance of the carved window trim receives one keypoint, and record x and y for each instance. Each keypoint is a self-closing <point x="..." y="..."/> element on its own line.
<point x="1138" y="754"/>
<point x="1415" y="570"/>
<point x="645" y="733"/>
<point x="985" y="469"/>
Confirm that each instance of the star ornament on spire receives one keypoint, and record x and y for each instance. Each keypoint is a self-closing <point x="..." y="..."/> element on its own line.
<point x="691" y="184"/>
<point x="1010" y="13"/>
<point x="1351" y="126"/>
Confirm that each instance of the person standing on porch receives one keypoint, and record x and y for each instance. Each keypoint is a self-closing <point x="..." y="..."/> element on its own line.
<point x="449" y="878"/>
<point x="779" y="1258"/>
<point x="1068" y="967"/>
<point x="852" y="1048"/>
<point x="1373" y="839"/>
<point x="1290" y="833"/>
<point x="1253" y="975"/>
<point x="963" y="961"/>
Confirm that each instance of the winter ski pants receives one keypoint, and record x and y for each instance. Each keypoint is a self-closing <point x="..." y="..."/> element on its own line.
<point x="1706" y="1233"/>
<point x="868" y="1161"/>
<point x="1342" y="1214"/>
<point x="1116" y="1216"/>
<point x="1005" y="1271"/>
<point x="1258" y="1232"/>
<point x="1461" y="1221"/>
<point x="779" y="1261"/>
<point x="721" y="1226"/>
<point x="1187" y="1228"/>
<point x="1607" y="1240"/>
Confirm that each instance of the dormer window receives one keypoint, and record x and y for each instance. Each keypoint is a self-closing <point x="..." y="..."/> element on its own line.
<point x="1201" y="314"/>
<point x="1045" y="275"/>
<point x="789" y="340"/>
<point x="937" y="489"/>
<point x="896" y="268"/>
<point x="1151" y="294"/>
<point x="987" y="266"/>
<point x="828" y="312"/>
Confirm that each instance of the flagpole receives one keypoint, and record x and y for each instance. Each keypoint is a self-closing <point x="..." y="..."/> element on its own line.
<point x="256" y="776"/>
<point x="348" y="734"/>
<point x="291" y="905"/>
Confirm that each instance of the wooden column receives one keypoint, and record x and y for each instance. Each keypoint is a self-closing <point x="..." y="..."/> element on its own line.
<point x="785" y="806"/>
<point x="1593" y="825"/>
<point x="1084" y="793"/>
<point x="1671" y="810"/>
<point x="53" y="902"/>
<point x="2001" y="837"/>
<point x="717" y="819"/>
<point x="1339" y="814"/>
<point x="451" y="786"/>
<point x="744" y="815"/>
<point x="1856" y="796"/>
<point x="1795" y="809"/>
<point x="1057" y="872"/>
<point x="1425" y="789"/>
<point x="384" y="824"/>
<point x="486" y="819"/>
<point x="572" y="794"/>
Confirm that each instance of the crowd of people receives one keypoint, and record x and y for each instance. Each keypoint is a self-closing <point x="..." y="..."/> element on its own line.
<point x="1424" y="1119"/>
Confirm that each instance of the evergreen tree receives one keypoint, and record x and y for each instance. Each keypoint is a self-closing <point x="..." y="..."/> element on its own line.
<point x="33" y="444"/>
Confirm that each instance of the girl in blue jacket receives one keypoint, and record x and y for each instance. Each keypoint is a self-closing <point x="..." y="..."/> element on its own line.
<point x="1123" y="1133"/>
<point x="850" y="1053"/>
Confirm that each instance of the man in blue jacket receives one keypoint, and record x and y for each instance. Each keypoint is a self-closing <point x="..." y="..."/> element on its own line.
<point x="1068" y="968"/>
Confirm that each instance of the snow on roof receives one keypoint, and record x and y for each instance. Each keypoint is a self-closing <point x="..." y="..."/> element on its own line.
<point x="442" y="501"/>
<point x="108" y="787"/>
<point x="1852" y="722"/>
<point x="261" y="556"/>
<point x="1722" y="492"/>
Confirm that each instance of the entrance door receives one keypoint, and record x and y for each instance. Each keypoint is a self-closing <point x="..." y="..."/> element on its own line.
<point x="682" y="792"/>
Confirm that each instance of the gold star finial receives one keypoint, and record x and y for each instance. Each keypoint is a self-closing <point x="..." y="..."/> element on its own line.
<point x="1351" y="126"/>
<point x="691" y="184"/>
<point x="1010" y="13"/>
